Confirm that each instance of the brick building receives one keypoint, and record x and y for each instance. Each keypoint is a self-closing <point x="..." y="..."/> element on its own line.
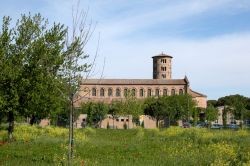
<point x="107" y="90"/>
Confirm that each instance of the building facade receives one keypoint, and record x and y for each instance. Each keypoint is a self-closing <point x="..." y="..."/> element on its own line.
<point x="162" y="84"/>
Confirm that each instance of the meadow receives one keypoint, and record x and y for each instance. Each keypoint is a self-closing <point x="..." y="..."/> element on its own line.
<point x="172" y="146"/>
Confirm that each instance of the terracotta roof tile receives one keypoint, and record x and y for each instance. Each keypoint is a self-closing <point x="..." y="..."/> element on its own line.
<point x="196" y="94"/>
<point x="134" y="82"/>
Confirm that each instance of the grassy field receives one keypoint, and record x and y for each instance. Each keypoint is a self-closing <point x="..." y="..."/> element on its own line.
<point x="173" y="146"/>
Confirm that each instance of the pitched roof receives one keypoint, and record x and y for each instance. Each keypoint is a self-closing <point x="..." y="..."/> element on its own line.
<point x="162" y="55"/>
<point x="196" y="94"/>
<point x="133" y="82"/>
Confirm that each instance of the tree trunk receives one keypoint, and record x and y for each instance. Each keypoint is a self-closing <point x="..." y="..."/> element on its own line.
<point x="32" y="120"/>
<point x="195" y="117"/>
<point x="241" y="120"/>
<point x="11" y="125"/>
<point x="224" y="116"/>
<point x="128" y="122"/>
<point x="100" y="126"/>
<point x="157" y="123"/>
<point x="71" y="132"/>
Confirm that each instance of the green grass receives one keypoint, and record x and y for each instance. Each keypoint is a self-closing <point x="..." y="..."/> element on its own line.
<point x="173" y="146"/>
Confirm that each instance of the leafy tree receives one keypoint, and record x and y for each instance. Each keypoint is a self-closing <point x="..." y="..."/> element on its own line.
<point x="174" y="107"/>
<point x="212" y="102"/>
<point x="31" y="55"/>
<point x="9" y="77"/>
<point x="114" y="109"/>
<point x="96" y="112"/>
<point x="211" y="114"/>
<point x="248" y="104"/>
<point x="131" y="106"/>
<point x="236" y="104"/>
<point x="151" y="108"/>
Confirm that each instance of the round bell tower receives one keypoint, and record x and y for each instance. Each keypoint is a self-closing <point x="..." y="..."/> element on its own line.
<point x="162" y="66"/>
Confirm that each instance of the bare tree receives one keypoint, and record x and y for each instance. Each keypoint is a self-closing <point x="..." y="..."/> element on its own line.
<point x="75" y="64"/>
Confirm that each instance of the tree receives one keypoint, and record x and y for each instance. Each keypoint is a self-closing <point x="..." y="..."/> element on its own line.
<point x="174" y="107"/>
<point x="211" y="114"/>
<point x="152" y="108"/>
<point x="131" y="106"/>
<point x="235" y="104"/>
<point x="9" y="77"/>
<point x="31" y="55"/>
<point x="75" y="65"/>
<point x="96" y="112"/>
<point x="212" y="102"/>
<point x="114" y="109"/>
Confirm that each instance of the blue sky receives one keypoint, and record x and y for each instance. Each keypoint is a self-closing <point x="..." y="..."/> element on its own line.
<point x="209" y="39"/>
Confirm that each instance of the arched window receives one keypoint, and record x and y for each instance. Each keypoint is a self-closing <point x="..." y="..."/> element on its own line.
<point x="157" y="92"/>
<point x="149" y="92"/>
<point x="102" y="92"/>
<point x="93" y="91"/>
<point x="118" y="92"/>
<point x="110" y="92"/>
<point x="141" y="92"/>
<point x="133" y="92"/>
<point x="173" y="92"/>
<point x="180" y="91"/>
<point x="165" y="92"/>
<point x="125" y="92"/>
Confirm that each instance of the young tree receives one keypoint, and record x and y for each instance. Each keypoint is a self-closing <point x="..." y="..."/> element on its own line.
<point x="75" y="67"/>
<point x="211" y="114"/>
<point x="131" y="106"/>
<point x="114" y="110"/>
<point x="96" y="112"/>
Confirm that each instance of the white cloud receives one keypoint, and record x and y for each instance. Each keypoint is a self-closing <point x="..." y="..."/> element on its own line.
<point x="162" y="13"/>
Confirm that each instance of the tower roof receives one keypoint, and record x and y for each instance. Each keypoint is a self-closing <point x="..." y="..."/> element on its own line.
<point x="162" y="55"/>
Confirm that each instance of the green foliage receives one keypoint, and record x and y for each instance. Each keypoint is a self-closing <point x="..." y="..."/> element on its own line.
<point x="96" y="112"/>
<point x="131" y="106"/>
<point x="174" y="107"/>
<point x="211" y="113"/>
<point x="236" y="104"/>
<point x="212" y="102"/>
<point x="31" y="54"/>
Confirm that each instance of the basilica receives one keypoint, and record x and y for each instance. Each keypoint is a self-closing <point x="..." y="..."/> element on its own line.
<point x="162" y="84"/>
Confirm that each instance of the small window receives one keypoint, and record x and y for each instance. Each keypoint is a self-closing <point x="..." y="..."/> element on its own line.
<point x="126" y="120"/>
<point x="93" y="91"/>
<point x="180" y="91"/>
<point x="110" y="92"/>
<point x="117" y="120"/>
<point x="133" y="92"/>
<point x="125" y="92"/>
<point x="118" y="92"/>
<point x="83" y="120"/>
<point x="102" y="92"/>
<point x="163" y="68"/>
<point x="141" y="92"/>
<point x="157" y="92"/>
<point x="149" y="92"/>
<point x="173" y="92"/>
<point x="165" y="92"/>
<point x="122" y="120"/>
<point x="163" y="75"/>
